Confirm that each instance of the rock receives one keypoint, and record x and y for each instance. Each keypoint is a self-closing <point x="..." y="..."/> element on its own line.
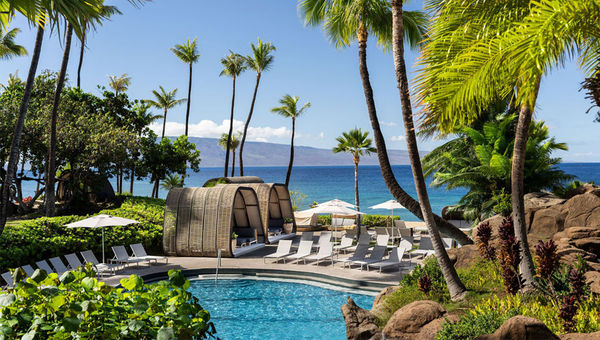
<point x="580" y="336"/>
<point x="384" y="293"/>
<point x="539" y="200"/>
<point x="587" y="187"/>
<point x="546" y="222"/>
<point x="521" y="328"/>
<point x="592" y="279"/>
<point x="360" y="323"/>
<point x="408" y="321"/>
<point x="590" y="244"/>
<point x="495" y="222"/>
<point x="464" y="256"/>
<point x="583" y="210"/>
<point x="430" y="330"/>
<point x="576" y="233"/>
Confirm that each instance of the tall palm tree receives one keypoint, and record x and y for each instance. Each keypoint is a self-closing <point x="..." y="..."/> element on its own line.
<point x="230" y="143"/>
<point x="289" y="109"/>
<point x="356" y="143"/>
<point x="233" y="65"/>
<point x="119" y="84"/>
<point x="346" y="21"/>
<point x="455" y="286"/>
<point x="164" y="100"/>
<point x="8" y="47"/>
<point x="260" y="61"/>
<point x="188" y="53"/>
<point x="480" y="53"/>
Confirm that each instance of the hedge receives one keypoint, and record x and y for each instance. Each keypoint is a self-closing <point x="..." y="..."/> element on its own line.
<point x="43" y="238"/>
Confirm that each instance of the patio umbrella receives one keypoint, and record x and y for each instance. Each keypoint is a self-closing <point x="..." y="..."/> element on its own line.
<point x="389" y="205"/>
<point x="336" y="202"/>
<point x="333" y="209"/>
<point x="101" y="221"/>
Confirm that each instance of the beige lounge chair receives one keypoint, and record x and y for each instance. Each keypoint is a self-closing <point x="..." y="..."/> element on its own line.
<point x="283" y="250"/>
<point x="345" y="243"/>
<point x="140" y="253"/>
<point x="304" y="249"/>
<point x="325" y="252"/>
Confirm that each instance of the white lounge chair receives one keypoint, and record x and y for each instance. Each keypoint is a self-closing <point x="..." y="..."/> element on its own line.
<point x="359" y="254"/>
<point x="325" y="252"/>
<point x="101" y="268"/>
<point x="73" y="261"/>
<point x="324" y="239"/>
<point x="383" y="240"/>
<point x="407" y="244"/>
<point x="377" y="255"/>
<point x="58" y="265"/>
<point x="140" y="253"/>
<point x="121" y="256"/>
<point x="448" y="242"/>
<point x="283" y="250"/>
<point x="45" y="266"/>
<point x="425" y="247"/>
<point x="8" y="279"/>
<point x="345" y="243"/>
<point x="364" y="239"/>
<point x="395" y="260"/>
<point x="28" y="270"/>
<point x="304" y="249"/>
<point x="306" y="236"/>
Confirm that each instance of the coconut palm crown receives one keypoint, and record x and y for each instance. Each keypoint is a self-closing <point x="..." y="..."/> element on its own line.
<point x="164" y="100"/>
<point x="8" y="47"/>
<point x="119" y="84"/>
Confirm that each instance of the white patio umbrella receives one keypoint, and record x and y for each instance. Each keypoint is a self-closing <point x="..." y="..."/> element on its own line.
<point x="101" y="221"/>
<point x="389" y="205"/>
<point x="337" y="202"/>
<point x="333" y="209"/>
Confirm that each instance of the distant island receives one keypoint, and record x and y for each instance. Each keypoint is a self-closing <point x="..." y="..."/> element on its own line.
<point x="273" y="154"/>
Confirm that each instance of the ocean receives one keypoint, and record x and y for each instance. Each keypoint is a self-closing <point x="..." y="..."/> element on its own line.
<point x="320" y="183"/>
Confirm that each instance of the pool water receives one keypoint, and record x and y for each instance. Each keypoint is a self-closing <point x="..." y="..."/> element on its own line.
<point x="260" y="309"/>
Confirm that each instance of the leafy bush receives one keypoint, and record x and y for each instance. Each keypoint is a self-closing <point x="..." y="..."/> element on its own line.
<point x="42" y="238"/>
<point x="77" y="305"/>
<point x="324" y="219"/>
<point x="377" y="220"/>
<point x="473" y="324"/>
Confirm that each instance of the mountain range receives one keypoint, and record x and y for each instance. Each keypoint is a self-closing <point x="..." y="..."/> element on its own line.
<point x="272" y="154"/>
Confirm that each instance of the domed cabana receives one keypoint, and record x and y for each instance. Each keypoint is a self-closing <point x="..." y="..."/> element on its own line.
<point x="200" y="221"/>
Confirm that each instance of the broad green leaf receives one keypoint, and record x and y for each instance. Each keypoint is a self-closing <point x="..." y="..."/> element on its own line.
<point x="132" y="283"/>
<point x="56" y="302"/>
<point x="29" y="335"/>
<point x="135" y="325"/>
<point x="7" y="299"/>
<point x="71" y="324"/>
<point x="39" y="275"/>
<point x="67" y="277"/>
<point x="165" y="333"/>
<point x="177" y="278"/>
<point x="88" y="282"/>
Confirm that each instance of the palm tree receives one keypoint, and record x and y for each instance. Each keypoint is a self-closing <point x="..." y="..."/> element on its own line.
<point x="119" y="84"/>
<point x="8" y="47"/>
<point x="346" y="21"/>
<point x="487" y="50"/>
<point x="164" y="100"/>
<point x="358" y="144"/>
<point x="260" y="60"/>
<point x="230" y="142"/>
<point x="172" y="181"/>
<point x="233" y="65"/>
<point x="188" y="53"/>
<point x="289" y="109"/>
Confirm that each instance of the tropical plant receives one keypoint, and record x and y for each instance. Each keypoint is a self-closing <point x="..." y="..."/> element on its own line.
<point x="8" y="47"/>
<point x="479" y="159"/>
<point x="233" y="65"/>
<point x="188" y="53"/>
<point x="164" y="100"/>
<point x="259" y="61"/>
<point x="172" y="181"/>
<point x="592" y="86"/>
<point x="296" y="198"/>
<point x="119" y="84"/>
<point x="230" y="144"/>
<point x="290" y="109"/>
<point x="358" y="144"/>
<point x="346" y="21"/>
<point x="479" y="52"/>
<point x="143" y="118"/>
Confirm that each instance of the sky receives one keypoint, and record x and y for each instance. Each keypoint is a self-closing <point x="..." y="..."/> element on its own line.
<point x="306" y="64"/>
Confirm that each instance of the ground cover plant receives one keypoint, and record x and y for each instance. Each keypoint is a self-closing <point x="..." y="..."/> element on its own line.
<point x="77" y="305"/>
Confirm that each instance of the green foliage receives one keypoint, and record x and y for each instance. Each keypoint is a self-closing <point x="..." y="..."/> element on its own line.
<point x="296" y="197"/>
<point x="503" y="203"/>
<point x="324" y="219"/>
<point x="378" y="220"/>
<point x="78" y="305"/>
<point x="165" y="157"/>
<point x="42" y="238"/>
<point x="567" y="191"/>
<point x="172" y="181"/>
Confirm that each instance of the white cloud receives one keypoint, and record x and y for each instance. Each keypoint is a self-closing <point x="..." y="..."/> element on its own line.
<point x="390" y="124"/>
<point x="397" y="138"/>
<point x="321" y="135"/>
<point x="210" y="129"/>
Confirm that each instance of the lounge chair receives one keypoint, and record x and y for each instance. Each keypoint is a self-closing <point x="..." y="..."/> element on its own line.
<point x="8" y="279"/>
<point x="306" y="236"/>
<point x="304" y="249"/>
<point x="28" y="270"/>
<point x="101" y="268"/>
<point x="377" y="255"/>
<point x="58" y="265"/>
<point x="381" y="231"/>
<point x="140" y="253"/>
<point x="359" y="254"/>
<point x="283" y="250"/>
<point x="121" y="256"/>
<point x="324" y="239"/>
<point x="383" y="240"/>
<point x="73" y="261"/>
<point x="364" y="239"/>
<point x="448" y="242"/>
<point x="425" y="247"/>
<point x="395" y="260"/>
<point x="325" y="252"/>
<point x="345" y="243"/>
<point x="407" y="244"/>
<point x="45" y="266"/>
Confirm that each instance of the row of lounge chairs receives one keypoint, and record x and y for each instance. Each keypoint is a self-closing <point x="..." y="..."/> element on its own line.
<point x="118" y="262"/>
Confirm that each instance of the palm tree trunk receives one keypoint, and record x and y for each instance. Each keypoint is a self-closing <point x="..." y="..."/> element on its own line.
<point x="289" y="170"/>
<point x="189" y="100"/>
<point x="164" y="124"/>
<point x="233" y="163"/>
<point x="384" y="163"/>
<point x="131" y="179"/>
<point x="13" y="158"/>
<point x="455" y="286"/>
<point x="51" y="165"/>
<point x="247" y="124"/>
<point x="81" y="51"/>
<point x="517" y="189"/>
<point x="356" y="201"/>
<point x="230" y="132"/>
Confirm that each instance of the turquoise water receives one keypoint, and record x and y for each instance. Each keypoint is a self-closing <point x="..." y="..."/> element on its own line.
<point x="257" y="309"/>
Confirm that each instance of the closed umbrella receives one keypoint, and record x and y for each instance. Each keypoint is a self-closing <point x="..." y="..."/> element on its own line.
<point x="101" y="221"/>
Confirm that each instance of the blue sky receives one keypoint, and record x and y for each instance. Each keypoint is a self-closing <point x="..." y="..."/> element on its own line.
<point x="306" y="65"/>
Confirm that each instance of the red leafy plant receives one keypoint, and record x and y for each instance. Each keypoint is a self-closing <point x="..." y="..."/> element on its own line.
<point x="484" y="235"/>
<point x="424" y="284"/>
<point x="509" y="256"/>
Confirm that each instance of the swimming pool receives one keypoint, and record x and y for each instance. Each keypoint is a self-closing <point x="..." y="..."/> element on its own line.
<point x="261" y="309"/>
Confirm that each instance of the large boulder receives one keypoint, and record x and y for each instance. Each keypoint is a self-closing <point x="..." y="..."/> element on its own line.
<point x="592" y="279"/>
<point x="464" y="256"/>
<point x="583" y="210"/>
<point x="546" y="222"/>
<point x="412" y="320"/>
<point x="580" y="336"/>
<point x="495" y="223"/>
<point x="540" y="200"/>
<point x="521" y="328"/>
<point x="360" y="323"/>
<point x="379" y="307"/>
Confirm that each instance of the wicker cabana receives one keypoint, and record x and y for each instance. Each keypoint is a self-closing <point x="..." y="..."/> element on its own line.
<point x="199" y="221"/>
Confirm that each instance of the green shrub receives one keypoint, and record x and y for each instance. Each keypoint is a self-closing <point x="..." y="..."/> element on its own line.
<point x="77" y="305"/>
<point x="429" y="267"/>
<point x="42" y="238"/>
<point x="474" y="324"/>
<point x="378" y="220"/>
